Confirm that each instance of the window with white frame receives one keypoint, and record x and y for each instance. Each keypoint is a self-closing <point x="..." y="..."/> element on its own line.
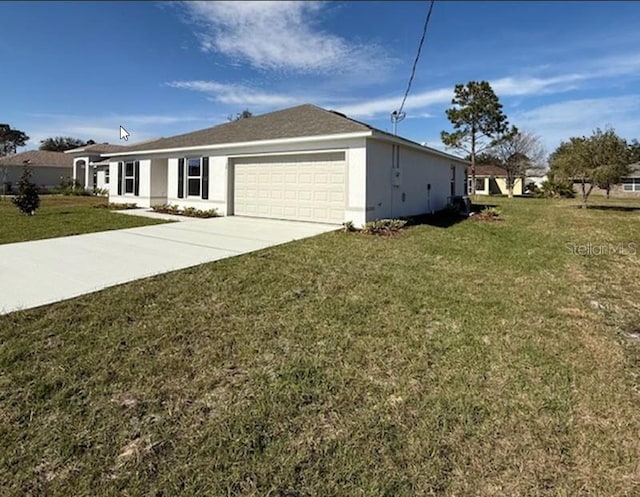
<point x="631" y="184"/>
<point x="129" y="177"/>
<point x="106" y="176"/>
<point x="480" y="184"/>
<point x="194" y="177"/>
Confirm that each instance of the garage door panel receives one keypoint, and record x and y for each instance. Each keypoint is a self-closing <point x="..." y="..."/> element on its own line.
<point x="304" y="187"/>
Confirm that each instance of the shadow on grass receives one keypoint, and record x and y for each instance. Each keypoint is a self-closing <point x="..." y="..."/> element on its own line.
<point x="621" y="208"/>
<point x="437" y="219"/>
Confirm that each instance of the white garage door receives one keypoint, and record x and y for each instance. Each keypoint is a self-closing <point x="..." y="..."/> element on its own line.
<point x="301" y="187"/>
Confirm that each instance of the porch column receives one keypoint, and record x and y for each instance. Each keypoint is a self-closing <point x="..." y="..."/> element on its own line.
<point x="86" y="174"/>
<point x="74" y="174"/>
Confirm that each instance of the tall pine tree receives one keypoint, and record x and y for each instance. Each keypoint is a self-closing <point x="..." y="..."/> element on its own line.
<point x="478" y="122"/>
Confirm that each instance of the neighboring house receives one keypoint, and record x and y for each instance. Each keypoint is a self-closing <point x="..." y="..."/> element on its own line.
<point x="48" y="168"/>
<point x="303" y="163"/>
<point x="90" y="169"/>
<point x="629" y="185"/>
<point x="536" y="175"/>
<point x="492" y="180"/>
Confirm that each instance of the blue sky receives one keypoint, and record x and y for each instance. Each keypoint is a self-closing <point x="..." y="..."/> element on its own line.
<point x="158" y="69"/>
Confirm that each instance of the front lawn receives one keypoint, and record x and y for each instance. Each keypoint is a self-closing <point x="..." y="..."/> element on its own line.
<point x="486" y="358"/>
<point x="62" y="216"/>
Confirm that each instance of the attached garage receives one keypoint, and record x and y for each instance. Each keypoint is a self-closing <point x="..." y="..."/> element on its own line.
<point x="301" y="164"/>
<point x="301" y="187"/>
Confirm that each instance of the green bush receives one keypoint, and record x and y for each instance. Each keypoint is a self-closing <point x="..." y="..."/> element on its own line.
<point x="557" y="189"/>
<point x="113" y="206"/>
<point x="69" y="186"/>
<point x="348" y="227"/>
<point x="27" y="199"/>
<point x="383" y="226"/>
<point x="187" y="211"/>
<point x="491" y="212"/>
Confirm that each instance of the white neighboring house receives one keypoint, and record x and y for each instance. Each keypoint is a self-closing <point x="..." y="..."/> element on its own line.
<point x="537" y="175"/>
<point x="303" y="163"/>
<point x="48" y="168"/>
<point x="90" y="169"/>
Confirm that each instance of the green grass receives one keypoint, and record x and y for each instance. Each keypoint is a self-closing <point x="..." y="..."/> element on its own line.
<point x="62" y="216"/>
<point x="479" y="359"/>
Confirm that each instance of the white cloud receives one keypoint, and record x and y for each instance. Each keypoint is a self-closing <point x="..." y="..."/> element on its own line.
<point x="234" y="94"/>
<point x="386" y="105"/>
<point x="526" y="86"/>
<point x="277" y="35"/>
<point x="559" y="121"/>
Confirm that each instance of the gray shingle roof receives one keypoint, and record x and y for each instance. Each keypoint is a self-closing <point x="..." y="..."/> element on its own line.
<point x="634" y="170"/>
<point x="489" y="170"/>
<point x="301" y="121"/>
<point x="97" y="148"/>
<point x="38" y="158"/>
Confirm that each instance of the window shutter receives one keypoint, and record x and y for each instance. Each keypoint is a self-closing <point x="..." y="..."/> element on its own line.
<point x="180" y="178"/>
<point x="136" y="177"/>
<point x="205" y="178"/>
<point x="120" y="178"/>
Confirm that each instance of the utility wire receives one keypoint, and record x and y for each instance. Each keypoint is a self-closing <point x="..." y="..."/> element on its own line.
<point x="415" y="62"/>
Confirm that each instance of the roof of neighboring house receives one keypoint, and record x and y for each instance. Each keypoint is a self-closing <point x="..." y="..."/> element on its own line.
<point x="489" y="170"/>
<point x="301" y="121"/>
<point x="634" y="170"/>
<point x="96" y="148"/>
<point x="38" y="158"/>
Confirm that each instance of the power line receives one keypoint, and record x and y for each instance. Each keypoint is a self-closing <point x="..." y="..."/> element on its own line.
<point x="397" y="115"/>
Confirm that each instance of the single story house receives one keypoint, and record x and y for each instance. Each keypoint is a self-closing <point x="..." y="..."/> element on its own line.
<point x="302" y="163"/>
<point x="629" y="185"/>
<point x="48" y="168"/>
<point x="492" y="180"/>
<point x="536" y="175"/>
<point x="90" y="169"/>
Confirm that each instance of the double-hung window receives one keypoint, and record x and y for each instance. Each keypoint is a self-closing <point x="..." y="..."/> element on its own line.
<point x="129" y="177"/>
<point x="631" y="184"/>
<point x="194" y="177"/>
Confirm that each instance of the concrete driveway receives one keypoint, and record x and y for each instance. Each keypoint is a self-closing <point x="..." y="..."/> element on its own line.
<point x="46" y="271"/>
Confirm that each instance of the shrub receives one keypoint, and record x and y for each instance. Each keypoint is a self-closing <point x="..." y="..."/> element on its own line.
<point x="113" y="206"/>
<point x="348" y="227"/>
<point x="187" y="211"/>
<point x="27" y="199"/>
<point x="69" y="186"/>
<point x="489" y="214"/>
<point x="102" y="192"/>
<point x="383" y="226"/>
<point x="532" y="188"/>
<point x="557" y="189"/>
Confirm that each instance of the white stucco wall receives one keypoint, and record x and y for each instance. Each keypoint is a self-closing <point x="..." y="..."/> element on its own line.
<point x="369" y="191"/>
<point x="410" y="195"/>
<point x="144" y="198"/>
<point x="221" y="174"/>
<point x="100" y="178"/>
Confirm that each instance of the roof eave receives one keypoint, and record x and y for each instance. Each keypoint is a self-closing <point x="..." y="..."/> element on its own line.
<point x="256" y="143"/>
